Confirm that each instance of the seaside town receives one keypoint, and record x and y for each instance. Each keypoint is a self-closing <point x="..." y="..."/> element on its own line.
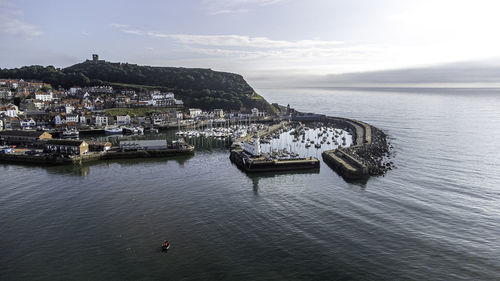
<point x="27" y="105"/>
<point x="43" y="125"/>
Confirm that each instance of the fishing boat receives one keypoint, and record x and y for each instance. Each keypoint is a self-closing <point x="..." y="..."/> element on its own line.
<point x="133" y="130"/>
<point x="70" y="133"/>
<point x="165" y="246"/>
<point x="113" y="130"/>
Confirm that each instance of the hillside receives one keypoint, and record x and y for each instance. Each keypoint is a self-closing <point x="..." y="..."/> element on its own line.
<point x="197" y="87"/>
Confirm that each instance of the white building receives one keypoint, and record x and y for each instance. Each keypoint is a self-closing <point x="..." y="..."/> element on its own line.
<point x="10" y="110"/>
<point x="218" y="113"/>
<point x="44" y="96"/>
<point x="123" y="120"/>
<point x="72" y="119"/>
<point x="179" y="115"/>
<point x="74" y="90"/>
<point x="28" y="123"/>
<point x="194" y="112"/>
<point x="100" y="120"/>
<point x="58" y="120"/>
<point x="257" y="113"/>
<point x="253" y="147"/>
<point x="69" y="109"/>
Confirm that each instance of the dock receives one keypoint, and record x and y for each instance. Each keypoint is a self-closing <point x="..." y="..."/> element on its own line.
<point x="262" y="164"/>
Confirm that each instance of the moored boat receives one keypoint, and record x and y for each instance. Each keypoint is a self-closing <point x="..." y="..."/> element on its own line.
<point x="113" y="130"/>
<point x="70" y="133"/>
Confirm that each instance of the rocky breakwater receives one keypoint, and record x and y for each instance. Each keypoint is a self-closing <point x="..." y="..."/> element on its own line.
<point x="368" y="156"/>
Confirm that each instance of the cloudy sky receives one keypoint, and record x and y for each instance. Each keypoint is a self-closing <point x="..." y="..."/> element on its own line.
<point x="257" y="38"/>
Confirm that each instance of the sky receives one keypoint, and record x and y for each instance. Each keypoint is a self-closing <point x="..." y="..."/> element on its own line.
<point x="259" y="39"/>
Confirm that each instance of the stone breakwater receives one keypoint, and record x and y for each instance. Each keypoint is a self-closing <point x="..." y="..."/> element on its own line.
<point x="368" y="155"/>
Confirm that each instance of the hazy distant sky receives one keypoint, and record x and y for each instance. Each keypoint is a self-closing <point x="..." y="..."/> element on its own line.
<point x="251" y="37"/>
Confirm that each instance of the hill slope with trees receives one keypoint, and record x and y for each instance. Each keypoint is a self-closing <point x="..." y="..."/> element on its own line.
<point x="197" y="87"/>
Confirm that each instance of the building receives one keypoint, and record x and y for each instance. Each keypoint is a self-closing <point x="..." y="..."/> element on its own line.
<point x="143" y="144"/>
<point x="123" y="120"/>
<point x="9" y="110"/>
<point x="18" y="137"/>
<point x="100" y="120"/>
<point x="44" y="96"/>
<point x="99" y="146"/>
<point x="28" y="124"/>
<point x="66" y="147"/>
<point x="72" y="119"/>
<point x="59" y="120"/>
<point x="257" y="113"/>
<point x="194" y="112"/>
<point x="253" y="147"/>
<point x="218" y="113"/>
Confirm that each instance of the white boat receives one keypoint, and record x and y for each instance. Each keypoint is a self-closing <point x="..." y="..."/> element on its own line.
<point x="113" y="130"/>
<point x="71" y="133"/>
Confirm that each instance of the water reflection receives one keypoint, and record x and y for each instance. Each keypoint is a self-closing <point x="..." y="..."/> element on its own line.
<point x="256" y="177"/>
<point x="84" y="169"/>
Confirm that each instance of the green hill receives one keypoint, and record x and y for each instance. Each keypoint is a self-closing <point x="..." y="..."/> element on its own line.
<point x="197" y="87"/>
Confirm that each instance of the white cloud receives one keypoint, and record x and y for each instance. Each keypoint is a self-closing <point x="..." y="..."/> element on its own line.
<point x="218" y="7"/>
<point x="235" y="40"/>
<point x="119" y="25"/>
<point x="11" y="22"/>
<point x="133" y="31"/>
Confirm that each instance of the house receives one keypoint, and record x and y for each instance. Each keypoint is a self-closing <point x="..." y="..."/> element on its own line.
<point x="18" y="137"/>
<point x="69" y="109"/>
<point x="218" y="113"/>
<point x="123" y="120"/>
<point x="59" y="120"/>
<point x="257" y="113"/>
<point x="44" y="96"/>
<point x="1" y="125"/>
<point x="100" y="120"/>
<point x="74" y="90"/>
<point x="99" y="146"/>
<point x="66" y="147"/>
<point x="72" y="119"/>
<point x="194" y="112"/>
<point x="10" y="110"/>
<point x="28" y="124"/>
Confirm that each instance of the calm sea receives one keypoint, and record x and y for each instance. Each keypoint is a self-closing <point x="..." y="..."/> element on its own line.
<point x="435" y="217"/>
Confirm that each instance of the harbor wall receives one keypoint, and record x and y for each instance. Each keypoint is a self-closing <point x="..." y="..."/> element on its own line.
<point x="368" y="154"/>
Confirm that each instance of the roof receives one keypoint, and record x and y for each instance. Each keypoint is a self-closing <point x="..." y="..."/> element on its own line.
<point x="103" y="143"/>
<point x="19" y="133"/>
<point x="64" y="142"/>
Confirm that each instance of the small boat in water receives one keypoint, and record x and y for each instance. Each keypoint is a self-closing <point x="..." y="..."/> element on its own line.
<point x="165" y="246"/>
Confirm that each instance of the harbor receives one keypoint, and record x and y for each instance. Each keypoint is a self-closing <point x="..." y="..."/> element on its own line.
<point x="354" y="149"/>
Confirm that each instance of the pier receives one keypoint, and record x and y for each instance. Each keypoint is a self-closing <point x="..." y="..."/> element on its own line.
<point x="364" y="157"/>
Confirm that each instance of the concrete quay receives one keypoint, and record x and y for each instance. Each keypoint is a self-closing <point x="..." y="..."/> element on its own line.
<point x="50" y="159"/>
